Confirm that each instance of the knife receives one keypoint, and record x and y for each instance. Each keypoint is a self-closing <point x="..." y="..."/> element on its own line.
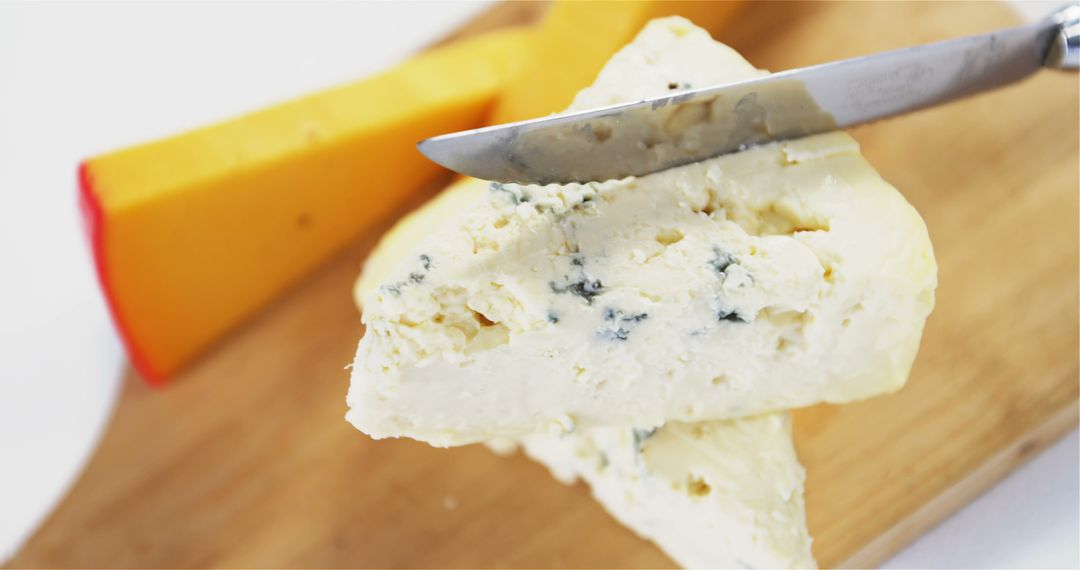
<point x="654" y="134"/>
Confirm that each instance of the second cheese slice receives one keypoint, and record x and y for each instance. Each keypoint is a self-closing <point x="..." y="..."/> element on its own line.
<point x="779" y="277"/>
<point x="724" y="494"/>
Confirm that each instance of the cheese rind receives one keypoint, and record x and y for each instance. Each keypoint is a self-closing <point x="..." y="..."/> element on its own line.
<point x="193" y="234"/>
<point x="775" y="278"/>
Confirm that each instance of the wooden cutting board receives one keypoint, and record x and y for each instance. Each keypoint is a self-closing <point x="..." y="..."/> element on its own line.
<point x="246" y="460"/>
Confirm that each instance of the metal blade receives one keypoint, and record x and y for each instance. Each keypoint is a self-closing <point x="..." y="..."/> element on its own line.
<point x="654" y="134"/>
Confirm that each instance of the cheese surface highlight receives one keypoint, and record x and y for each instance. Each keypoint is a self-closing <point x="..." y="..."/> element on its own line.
<point x="775" y="278"/>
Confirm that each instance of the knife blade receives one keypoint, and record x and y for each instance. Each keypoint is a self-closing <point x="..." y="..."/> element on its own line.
<point x="654" y="134"/>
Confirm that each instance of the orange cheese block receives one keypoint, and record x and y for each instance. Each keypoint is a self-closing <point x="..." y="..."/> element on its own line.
<point x="576" y="38"/>
<point x="194" y="233"/>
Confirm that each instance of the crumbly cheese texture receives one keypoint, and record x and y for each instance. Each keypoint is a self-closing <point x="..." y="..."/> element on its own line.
<point x="778" y="277"/>
<point x="721" y="494"/>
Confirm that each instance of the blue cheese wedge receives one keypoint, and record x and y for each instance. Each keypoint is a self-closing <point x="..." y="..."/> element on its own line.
<point x="721" y="494"/>
<point x="775" y="278"/>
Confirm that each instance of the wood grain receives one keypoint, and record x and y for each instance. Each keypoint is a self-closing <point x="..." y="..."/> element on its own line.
<point x="498" y="16"/>
<point x="246" y="461"/>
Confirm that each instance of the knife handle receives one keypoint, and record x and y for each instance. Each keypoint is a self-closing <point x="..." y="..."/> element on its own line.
<point x="1064" y="50"/>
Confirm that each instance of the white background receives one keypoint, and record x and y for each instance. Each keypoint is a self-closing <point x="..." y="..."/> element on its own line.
<point x="79" y="79"/>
